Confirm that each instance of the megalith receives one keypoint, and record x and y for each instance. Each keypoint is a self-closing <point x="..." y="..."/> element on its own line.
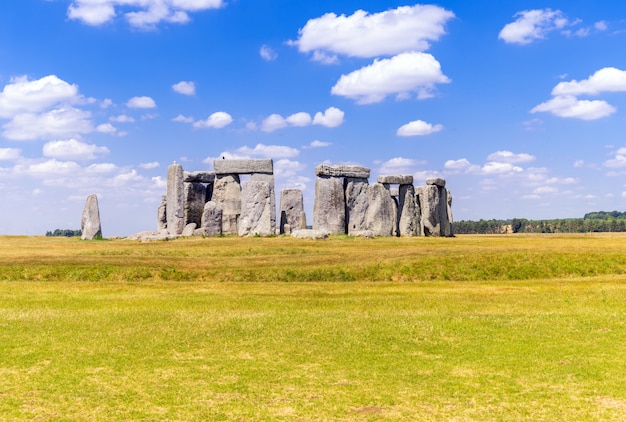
<point x="211" y="219"/>
<point x="194" y="200"/>
<point x="329" y="208"/>
<point x="255" y="218"/>
<point x="175" y="210"/>
<point x="161" y="215"/>
<point x="90" y="223"/>
<point x="227" y="194"/>
<point x="356" y="204"/>
<point x="381" y="212"/>
<point x="408" y="212"/>
<point x="269" y="179"/>
<point x="291" y="209"/>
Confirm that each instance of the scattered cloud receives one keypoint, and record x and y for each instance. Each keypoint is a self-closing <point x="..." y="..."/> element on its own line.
<point x="141" y="102"/>
<point x="149" y="166"/>
<point x="399" y="165"/>
<point x="144" y="14"/>
<point x="406" y="28"/>
<point x="619" y="159"/>
<point x="58" y="123"/>
<point x="532" y="25"/>
<point x="268" y="151"/>
<point x="185" y="88"/>
<point x="299" y="119"/>
<point x="73" y="149"/>
<point x="418" y="128"/>
<point x="608" y="79"/>
<point x="267" y="53"/>
<point x="183" y="119"/>
<point x="285" y="168"/>
<point x="106" y="128"/>
<point x="317" y="144"/>
<point x="570" y="107"/>
<point x="9" y="154"/>
<point x="402" y="74"/>
<point x="122" y="118"/>
<point x="216" y="120"/>
<point x="273" y="122"/>
<point x="332" y="117"/>
<point x="25" y="96"/>
<point x="510" y="157"/>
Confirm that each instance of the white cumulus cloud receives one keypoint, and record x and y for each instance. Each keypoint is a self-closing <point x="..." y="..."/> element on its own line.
<point x="58" y="123"/>
<point x="299" y="119"/>
<point x="402" y="74"/>
<point x="9" y="154"/>
<point x="141" y="102"/>
<point x="317" y="144"/>
<point x="139" y="13"/>
<point x="418" y="128"/>
<point x="73" y="150"/>
<point x="273" y="122"/>
<point x="406" y="28"/>
<point x="608" y="79"/>
<point x="185" y="88"/>
<point x="268" y="151"/>
<point x="267" y="53"/>
<point x="331" y="117"/>
<point x="510" y="157"/>
<point x="571" y="107"/>
<point x="148" y="166"/>
<point x="532" y="25"/>
<point x="25" y="96"/>
<point x="216" y="120"/>
<point x="398" y="165"/>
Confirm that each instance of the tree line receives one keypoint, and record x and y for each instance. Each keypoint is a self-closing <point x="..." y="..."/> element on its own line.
<point x="601" y="221"/>
<point x="64" y="232"/>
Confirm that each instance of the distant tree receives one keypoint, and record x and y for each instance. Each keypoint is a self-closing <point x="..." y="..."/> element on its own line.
<point x="64" y="232"/>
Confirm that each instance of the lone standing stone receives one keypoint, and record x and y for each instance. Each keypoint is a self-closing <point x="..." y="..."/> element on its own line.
<point x="329" y="209"/>
<point x="90" y="223"/>
<point x="175" y="211"/>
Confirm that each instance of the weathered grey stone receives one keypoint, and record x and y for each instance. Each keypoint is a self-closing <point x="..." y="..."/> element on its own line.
<point x="302" y="220"/>
<point x="243" y="166"/>
<point x="212" y="219"/>
<point x="175" y="211"/>
<point x="286" y="229"/>
<point x="90" y="223"/>
<point x="161" y="214"/>
<point x="255" y="216"/>
<point x="309" y="234"/>
<point x="327" y="170"/>
<point x="291" y="209"/>
<point x="356" y="204"/>
<point x="396" y="180"/>
<point x="199" y="176"/>
<point x="189" y="229"/>
<point x="227" y="194"/>
<point x="450" y="218"/>
<point x="382" y="211"/>
<point x="429" y="200"/>
<point x="329" y="209"/>
<point x="408" y="221"/>
<point x="194" y="200"/>
<point x="437" y="181"/>
<point x="269" y="179"/>
<point x="443" y="213"/>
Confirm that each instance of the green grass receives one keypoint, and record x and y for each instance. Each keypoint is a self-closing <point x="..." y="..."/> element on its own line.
<point x="471" y="328"/>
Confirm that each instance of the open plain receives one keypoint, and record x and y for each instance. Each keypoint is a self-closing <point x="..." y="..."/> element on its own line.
<point x="507" y="327"/>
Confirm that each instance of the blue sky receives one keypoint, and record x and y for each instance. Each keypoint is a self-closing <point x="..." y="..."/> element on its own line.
<point x="519" y="105"/>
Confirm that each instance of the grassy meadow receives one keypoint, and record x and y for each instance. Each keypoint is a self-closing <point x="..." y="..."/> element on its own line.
<point x="472" y="328"/>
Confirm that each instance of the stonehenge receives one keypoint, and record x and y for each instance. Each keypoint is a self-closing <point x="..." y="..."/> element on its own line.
<point x="238" y="198"/>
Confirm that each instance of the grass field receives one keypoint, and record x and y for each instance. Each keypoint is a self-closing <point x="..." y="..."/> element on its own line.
<point x="468" y="328"/>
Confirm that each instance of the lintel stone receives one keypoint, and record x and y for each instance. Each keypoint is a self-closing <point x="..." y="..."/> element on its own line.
<point x="199" y="176"/>
<point x="396" y="180"/>
<point x="342" y="171"/>
<point x="437" y="181"/>
<point x="243" y="166"/>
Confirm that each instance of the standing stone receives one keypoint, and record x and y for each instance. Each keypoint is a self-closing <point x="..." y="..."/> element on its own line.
<point x="302" y="221"/>
<point x="382" y="211"/>
<point x="189" y="230"/>
<point x="255" y="218"/>
<point x="329" y="208"/>
<point x="90" y="223"/>
<point x="429" y="200"/>
<point x="408" y="222"/>
<point x="450" y="219"/>
<point x="291" y="209"/>
<point x="161" y="215"/>
<point x="194" y="200"/>
<point x="443" y="212"/>
<point x="175" y="211"/>
<point x="269" y="179"/>
<point x="227" y="194"/>
<point x="212" y="219"/>
<point x="356" y="204"/>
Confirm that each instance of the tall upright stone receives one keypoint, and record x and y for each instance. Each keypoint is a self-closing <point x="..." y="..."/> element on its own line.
<point x="194" y="200"/>
<point x="291" y="209"/>
<point x="227" y="194"/>
<point x="408" y="220"/>
<point x="356" y="204"/>
<point x="211" y="224"/>
<point x="431" y="205"/>
<point x="90" y="223"/>
<point x="175" y="199"/>
<point x="329" y="208"/>
<point x="450" y="218"/>
<point x="269" y="179"/>
<point x="162" y="215"/>
<point x="382" y="211"/>
<point x="255" y="218"/>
